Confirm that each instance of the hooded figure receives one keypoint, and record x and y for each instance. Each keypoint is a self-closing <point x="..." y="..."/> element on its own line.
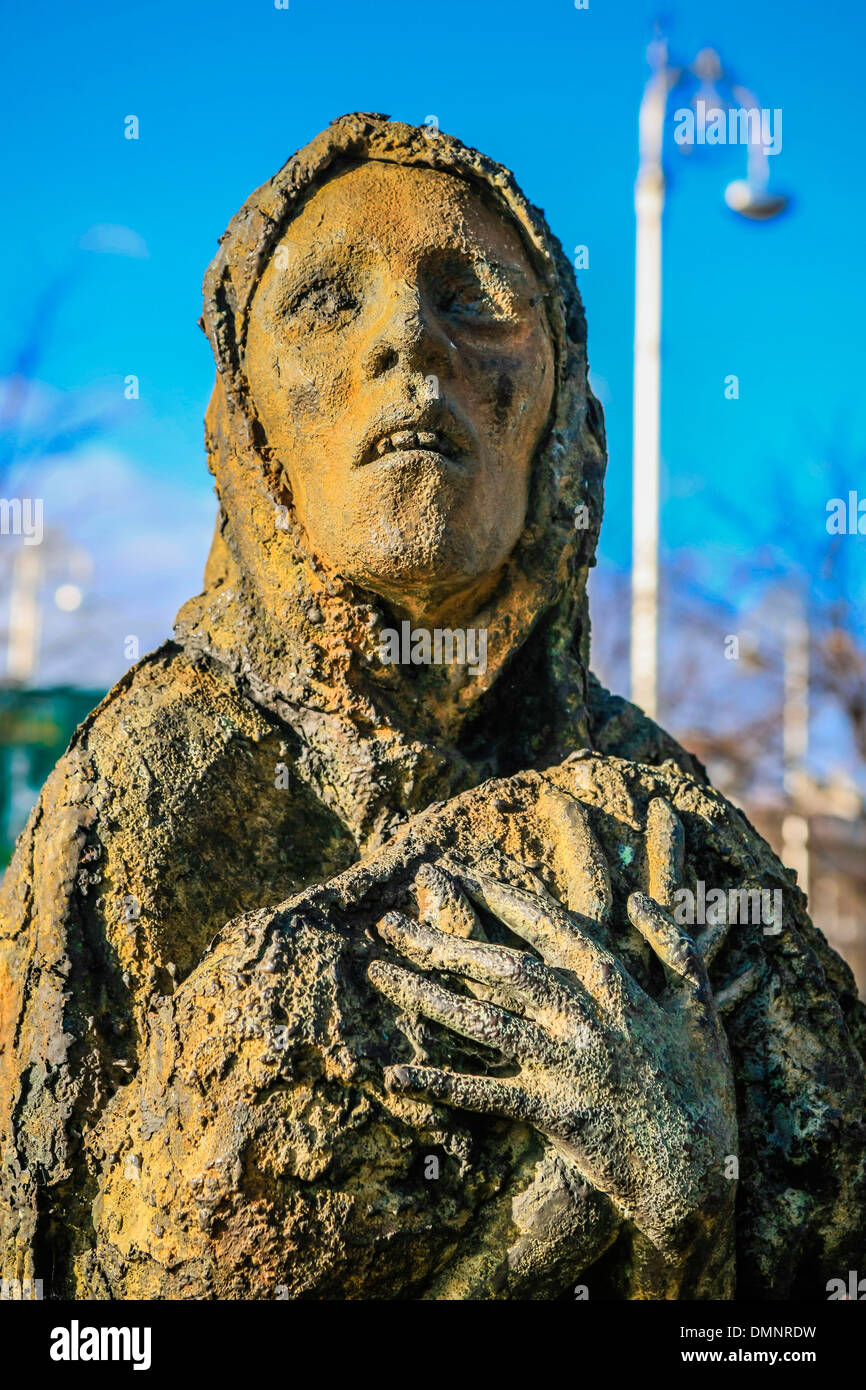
<point x="344" y="954"/>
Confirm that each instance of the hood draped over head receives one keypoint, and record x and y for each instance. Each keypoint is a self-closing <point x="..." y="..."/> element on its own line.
<point x="381" y="741"/>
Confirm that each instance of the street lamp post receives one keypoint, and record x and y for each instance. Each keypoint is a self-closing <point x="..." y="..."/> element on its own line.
<point x="750" y="199"/>
<point x="649" y="201"/>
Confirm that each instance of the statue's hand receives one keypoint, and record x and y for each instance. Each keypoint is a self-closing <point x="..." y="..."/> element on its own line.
<point x="635" y="1092"/>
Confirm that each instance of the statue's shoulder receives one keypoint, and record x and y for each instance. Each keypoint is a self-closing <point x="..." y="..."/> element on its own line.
<point x="177" y="799"/>
<point x="171" y="697"/>
<point x="149" y="749"/>
<point x="138" y="758"/>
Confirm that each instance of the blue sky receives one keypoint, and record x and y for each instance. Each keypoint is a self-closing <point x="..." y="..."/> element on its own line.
<point x="226" y="91"/>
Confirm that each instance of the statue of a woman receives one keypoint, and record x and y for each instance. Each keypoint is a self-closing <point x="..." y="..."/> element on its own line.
<point x="345" y="954"/>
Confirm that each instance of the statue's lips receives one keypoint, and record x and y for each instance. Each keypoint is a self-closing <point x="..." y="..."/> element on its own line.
<point x="427" y="438"/>
<point x="412" y="457"/>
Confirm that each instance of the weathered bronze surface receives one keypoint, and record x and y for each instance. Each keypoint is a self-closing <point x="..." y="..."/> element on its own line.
<point x="329" y="976"/>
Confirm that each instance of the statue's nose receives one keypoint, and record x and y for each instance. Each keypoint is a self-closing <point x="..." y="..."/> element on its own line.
<point x="409" y="335"/>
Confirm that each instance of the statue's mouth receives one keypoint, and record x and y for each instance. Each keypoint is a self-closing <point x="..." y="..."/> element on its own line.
<point x="436" y="435"/>
<point x="415" y="441"/>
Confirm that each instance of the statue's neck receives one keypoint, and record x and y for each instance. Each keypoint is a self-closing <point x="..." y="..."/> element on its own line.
<point x="391" y="713"/>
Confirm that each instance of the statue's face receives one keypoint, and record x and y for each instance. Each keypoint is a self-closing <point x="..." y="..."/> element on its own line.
<point x="402" y="367"/>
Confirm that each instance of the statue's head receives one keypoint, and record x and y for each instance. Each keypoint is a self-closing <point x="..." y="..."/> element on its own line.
<point x="401" y="364"/>
<point x="402" y="422"/>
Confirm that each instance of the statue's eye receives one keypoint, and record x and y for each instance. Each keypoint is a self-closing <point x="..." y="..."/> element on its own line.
<point x="467" y="297"/>
<point x="323" y="301"/>
<point x="462" y="293"/>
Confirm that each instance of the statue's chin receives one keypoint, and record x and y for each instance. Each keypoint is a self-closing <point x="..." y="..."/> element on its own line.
<point x="388" y="573"/>
<point x="415" y="562"/>
<point x="432" y="550"/>
<point x="449" y="585"/>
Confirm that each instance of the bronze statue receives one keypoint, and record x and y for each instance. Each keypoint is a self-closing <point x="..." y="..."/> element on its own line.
<point x="342" y="955"/>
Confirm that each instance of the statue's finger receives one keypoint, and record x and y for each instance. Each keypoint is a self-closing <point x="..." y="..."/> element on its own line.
<point x="517" y="974"/>
<point x="443" y="905"/>
<point x="562" y="938"/>
<point x="665" y="843"/>
<point x="475" y="1019"/>
<point x="486" y="1094"/>
<point x="674" y="948"/>
<point x="581" y="860"/>
<point x="733" y="994"/>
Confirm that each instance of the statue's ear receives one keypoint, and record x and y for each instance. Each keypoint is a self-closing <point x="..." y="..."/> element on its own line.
<point x="593" y="462"/>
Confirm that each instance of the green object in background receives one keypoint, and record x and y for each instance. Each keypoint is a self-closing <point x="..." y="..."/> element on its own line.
<point x="35" y="728"/>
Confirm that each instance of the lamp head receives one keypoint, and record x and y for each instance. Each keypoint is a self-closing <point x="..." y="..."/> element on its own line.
<point x="752" y="202"/>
